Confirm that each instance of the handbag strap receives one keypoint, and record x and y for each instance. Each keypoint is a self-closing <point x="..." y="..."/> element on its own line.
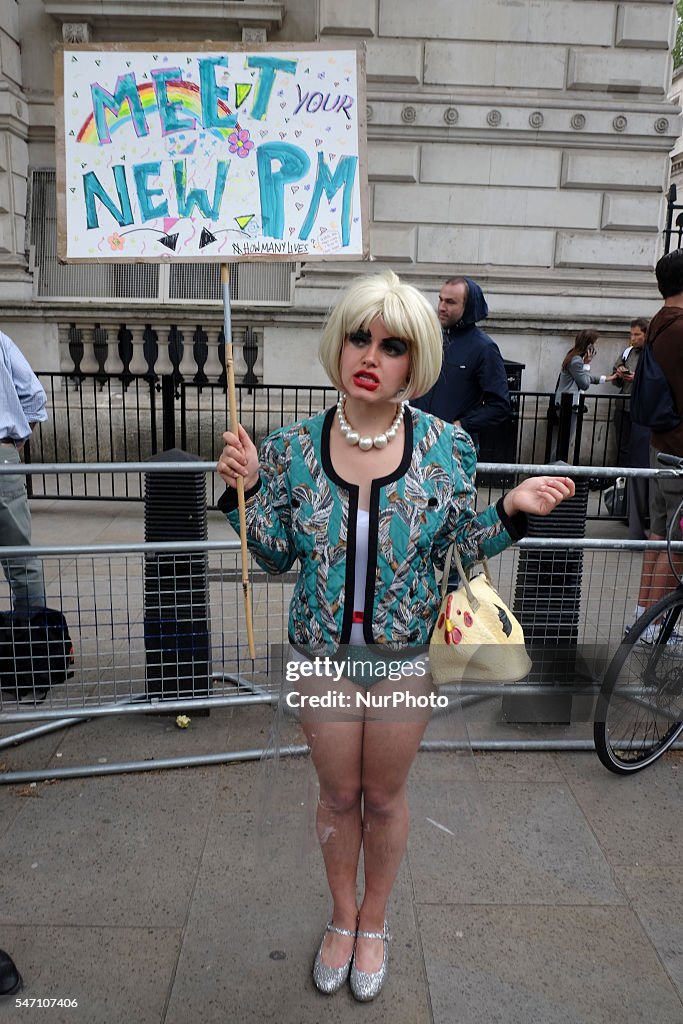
<point x="453" y="555"/>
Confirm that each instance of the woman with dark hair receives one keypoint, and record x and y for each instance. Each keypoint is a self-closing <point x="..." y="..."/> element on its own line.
<point x="575" y="376"/>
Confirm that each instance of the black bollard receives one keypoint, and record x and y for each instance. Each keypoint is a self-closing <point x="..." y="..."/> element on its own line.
<point x="177" y="627"/>
<point x="547" y="602"/>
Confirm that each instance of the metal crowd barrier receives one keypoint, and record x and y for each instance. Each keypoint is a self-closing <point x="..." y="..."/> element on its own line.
<point x="101" y="591"/>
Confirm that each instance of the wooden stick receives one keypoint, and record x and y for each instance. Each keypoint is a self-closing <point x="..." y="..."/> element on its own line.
<point x="234" y="421"/>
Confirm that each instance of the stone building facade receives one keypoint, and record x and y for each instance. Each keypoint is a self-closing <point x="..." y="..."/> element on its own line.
<point x="524" y="143"/>
<point x="676" y="97"/>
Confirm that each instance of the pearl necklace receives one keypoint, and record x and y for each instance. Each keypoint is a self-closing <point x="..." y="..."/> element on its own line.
<point x="366" y="443"/>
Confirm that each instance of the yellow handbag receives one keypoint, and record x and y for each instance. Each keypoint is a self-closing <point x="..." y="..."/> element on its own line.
<point x="476" y="637"/>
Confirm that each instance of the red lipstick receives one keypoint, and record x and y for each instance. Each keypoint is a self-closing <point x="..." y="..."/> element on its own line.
<point x="366" y="380"/>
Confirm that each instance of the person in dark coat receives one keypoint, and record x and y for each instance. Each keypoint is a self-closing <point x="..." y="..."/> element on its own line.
<point x="633" y="440"/>
<point x="665" y="335"/>
<point x="472" y="389"/>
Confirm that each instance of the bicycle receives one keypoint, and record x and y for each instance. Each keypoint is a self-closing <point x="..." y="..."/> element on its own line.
<point x="639" y="711"/>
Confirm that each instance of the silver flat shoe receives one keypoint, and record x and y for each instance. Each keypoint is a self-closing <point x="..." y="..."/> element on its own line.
<point x="366" y="985"/>
<point x="330" y="979"/>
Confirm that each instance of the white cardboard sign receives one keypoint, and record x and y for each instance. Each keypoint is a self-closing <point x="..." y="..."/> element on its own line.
<point x="215" y="154"/>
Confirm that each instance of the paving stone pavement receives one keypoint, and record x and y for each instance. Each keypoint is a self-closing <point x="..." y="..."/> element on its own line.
<point x="537" y="888"/>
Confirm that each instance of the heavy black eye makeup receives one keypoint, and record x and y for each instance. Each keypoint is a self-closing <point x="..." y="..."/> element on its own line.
<point x="391" y="346"/>
<point x="394" y="346"/>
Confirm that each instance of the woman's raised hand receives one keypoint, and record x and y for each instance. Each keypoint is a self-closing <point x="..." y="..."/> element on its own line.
<point x="538" y="495"/>
<point x="238" y="458"/>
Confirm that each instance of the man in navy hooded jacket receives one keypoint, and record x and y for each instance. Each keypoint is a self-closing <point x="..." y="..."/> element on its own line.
<point x="472" y="389"/>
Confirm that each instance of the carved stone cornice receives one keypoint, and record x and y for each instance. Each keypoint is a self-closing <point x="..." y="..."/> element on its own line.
<point x="167" y="17"/>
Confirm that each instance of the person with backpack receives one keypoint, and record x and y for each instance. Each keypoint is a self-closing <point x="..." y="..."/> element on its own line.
<point x="657" y="403"/>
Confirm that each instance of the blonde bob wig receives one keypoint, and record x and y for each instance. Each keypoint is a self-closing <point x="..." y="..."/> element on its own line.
<point x="407" y="315"/>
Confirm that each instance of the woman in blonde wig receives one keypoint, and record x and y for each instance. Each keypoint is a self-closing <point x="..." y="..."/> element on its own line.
<point x="368" y="497"/>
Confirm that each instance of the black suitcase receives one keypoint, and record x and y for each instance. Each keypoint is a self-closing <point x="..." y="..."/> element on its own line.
<point x="36" y="653"/>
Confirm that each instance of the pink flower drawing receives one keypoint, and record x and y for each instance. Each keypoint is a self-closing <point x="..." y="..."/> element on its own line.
<point x="115" y="241"/>
<point x="240" y="143"/>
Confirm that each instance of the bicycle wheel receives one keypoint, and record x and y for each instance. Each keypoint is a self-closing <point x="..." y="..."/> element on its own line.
<point x="639" y="711"/>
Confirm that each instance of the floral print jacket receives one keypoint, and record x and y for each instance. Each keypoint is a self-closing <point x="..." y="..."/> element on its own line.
<point x="302" y="509"/>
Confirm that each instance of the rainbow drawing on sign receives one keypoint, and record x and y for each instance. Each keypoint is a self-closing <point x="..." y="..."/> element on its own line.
<point x="183" y="94"/>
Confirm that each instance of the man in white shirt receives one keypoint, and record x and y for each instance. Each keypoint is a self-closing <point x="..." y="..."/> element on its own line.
<point x="22" y="405"/>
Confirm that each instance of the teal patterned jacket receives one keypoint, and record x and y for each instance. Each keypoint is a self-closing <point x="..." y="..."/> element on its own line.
<point x="301" y="509"/>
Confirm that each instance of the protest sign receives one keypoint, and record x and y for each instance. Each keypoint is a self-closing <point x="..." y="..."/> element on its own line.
<point x="214" y="153"/>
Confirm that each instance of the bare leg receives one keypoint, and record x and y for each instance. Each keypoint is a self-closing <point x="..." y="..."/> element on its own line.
<point x="657" y="579"/>
<point x="647" y="574"/>
<point x="336" y="753"/>
<point x="389" y="749"/>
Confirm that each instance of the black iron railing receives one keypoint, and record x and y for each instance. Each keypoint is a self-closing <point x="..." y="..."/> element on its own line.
<point x="99" y="418"/>
<point x="147" y="389"/>
<point x="673" y="231"/>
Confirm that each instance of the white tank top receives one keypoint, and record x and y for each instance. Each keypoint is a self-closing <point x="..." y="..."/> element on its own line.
<point x="361" y="569"/>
